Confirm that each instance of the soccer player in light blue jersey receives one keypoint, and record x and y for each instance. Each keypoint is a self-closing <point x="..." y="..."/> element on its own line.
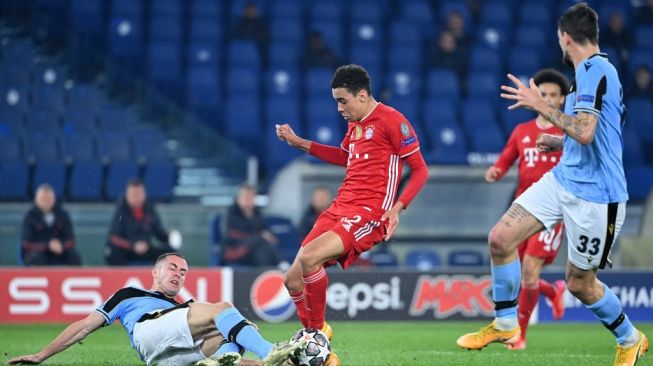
<point x="586" y="190"/>
<point x="165" y="332"/>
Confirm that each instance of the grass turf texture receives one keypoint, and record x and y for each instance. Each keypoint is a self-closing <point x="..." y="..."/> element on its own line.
<point x="360" y="343"/>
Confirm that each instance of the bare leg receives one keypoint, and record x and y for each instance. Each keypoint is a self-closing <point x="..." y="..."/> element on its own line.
<point x="531" y="269"/>
<point x="515" y="226"/>
<point x="584" y="285"/>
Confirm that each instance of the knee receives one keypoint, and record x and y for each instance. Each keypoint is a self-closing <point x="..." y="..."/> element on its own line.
<point x="221" y="306"/>
<point x="294" y="284"/>
<point x="308" y="260"/>
<point x="498" y="242"/>
<point x="577" y="287"/>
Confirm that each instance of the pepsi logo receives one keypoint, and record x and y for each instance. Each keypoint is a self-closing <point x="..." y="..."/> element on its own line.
<point x="269" y="297"/>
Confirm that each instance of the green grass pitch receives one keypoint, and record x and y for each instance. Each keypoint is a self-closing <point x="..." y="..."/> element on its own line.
<point x="361" y="343"/>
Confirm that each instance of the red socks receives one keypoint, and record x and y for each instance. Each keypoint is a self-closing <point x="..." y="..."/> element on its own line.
<point x="315" y="286"/>
<point x="300" y="304"/>
<point x="547" y="289"/>
<point x="527" y="301"/>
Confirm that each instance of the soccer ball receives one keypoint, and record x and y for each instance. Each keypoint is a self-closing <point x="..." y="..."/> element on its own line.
<point x="317" y="349"/>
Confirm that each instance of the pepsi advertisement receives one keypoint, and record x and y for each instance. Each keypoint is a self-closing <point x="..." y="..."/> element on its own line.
<point x="634" y="290"/>
<point x="370" y="295"/>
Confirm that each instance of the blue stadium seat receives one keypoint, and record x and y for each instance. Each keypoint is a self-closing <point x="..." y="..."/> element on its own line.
<point x="203" y="89"/>
<point x="43" y="120"/>
<point x="496" y="12"/>
<point x="366" y="11"/>
<point x="633" y="154"/>
<point x="148" y="144"/>
<point x="79" y="120"/>
<point x="285" y="231"/>
<point x="477" y="113"/>
<point x="18" y="52"/>
<point x="86" y="181"/>
<point x="535" y="13"/>
<point x="462" y="257"/>
<point x="638" y="58"/>
<point x="487" y="138"/>
<point x="640" y="116"/>
<point x="113" y="146"/>
<point x="87" y="16"/>
<point x="13" y="180"/>
<point x="323" y="122"/>
<point x="383" y="257"/>
<point x="332" y="33"/>
<point x="639" y="180"/>
<point x="206" y="9"/>
<point x="11" y="147"/>
<point x="287" y="9"/>
<point x="282" y="81"/>
<point x="12" y="120"/>
<point x="402" y="83"/>
<point x="493" y="37"/>
<point x="409" y="107"/>
<point x="202" y="54"/>
<point x="52" y="173"/>
<point x="118" y="174"/>
<point x="443" y="84"/>
<point x="325" y="10"/>
<point x="41" y="146"/>
<point x="483" y="59"/>
<point x="531" y="36"/>
<point x="450" y="145"/>
<point x="524" y="61"/>
<point x="244" y="54"/>
<point x="78" y="146"/>
<point x="367" y="33"/>
<point x="402" y="32"/>
<point x="15" y="74"/>
<point x="644" y="37"/>
<point x="164" y="62"/>
<point x="613" y="56"/>
<point x="13" y="97"/>
<point x="318" y="81"/>
<point x="48" y="97"/>
<point x="125" y="38"/>
<point x="439" y="111"/>
<point x="405" y="57"/>
<point x="166" y="8"/>
<point x="287" y="30"/>
<point x="420" y="13"/>
<point x="483" y="86"/>
<point x="206" y="30"/>
<point x="243" y="81"/>
<point x="160" y="178"/>
<point x="116" y="117"/>
<point x="610" y="7"/>
<point x="126" y="8"/>
<point x="243" y="120"/>
<point x="166" y="29"/>
<point x="85" y="97"/>
<point x="283" y="54"/>
<point x="49" y="75"/>
<point x="423" y="259"/>
<point x="368" y="55"/>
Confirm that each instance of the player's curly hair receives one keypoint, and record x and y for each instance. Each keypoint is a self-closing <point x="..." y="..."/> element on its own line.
<point x="352" y="77"/>
<point x="582" y="23"/>
<point x="552" y="76"/>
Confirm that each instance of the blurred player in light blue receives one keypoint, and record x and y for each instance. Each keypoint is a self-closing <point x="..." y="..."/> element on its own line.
<point x="586" y="190"/>
<point x="165" y="332"/>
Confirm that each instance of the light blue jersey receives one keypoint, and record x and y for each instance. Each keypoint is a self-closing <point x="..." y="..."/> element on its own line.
<point x="594" y="172"/>
<point x="129" y="304"/>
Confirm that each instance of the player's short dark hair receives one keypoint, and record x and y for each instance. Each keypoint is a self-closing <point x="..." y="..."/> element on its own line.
<point x="166" y="255"/>
<point x="352" y="77"/>
<point x="581" y="23"/>
<point x="135" y="182"/>
<point x="552" y="76"/>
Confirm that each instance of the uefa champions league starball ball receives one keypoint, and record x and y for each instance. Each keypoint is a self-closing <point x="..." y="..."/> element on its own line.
<point x="317" y="349"/>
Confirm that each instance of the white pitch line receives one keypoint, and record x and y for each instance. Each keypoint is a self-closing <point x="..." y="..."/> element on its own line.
<point x="491" y="353"/>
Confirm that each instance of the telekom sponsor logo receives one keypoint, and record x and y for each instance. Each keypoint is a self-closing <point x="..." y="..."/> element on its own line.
<point x="61" y="295"/>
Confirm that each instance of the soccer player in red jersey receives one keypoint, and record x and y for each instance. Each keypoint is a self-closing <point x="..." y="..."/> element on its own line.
<point x="378" y="141"/>
<point x="542" y="248"/>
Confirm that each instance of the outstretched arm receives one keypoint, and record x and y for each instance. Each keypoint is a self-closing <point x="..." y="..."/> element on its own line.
<point x="330" y="154"/>
<point x="580" y="127"/>
<point x="74" y="333"/>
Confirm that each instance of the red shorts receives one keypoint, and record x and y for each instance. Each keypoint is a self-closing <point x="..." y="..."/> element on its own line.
<point x="544" y="245"/>
<point x="359" y="231"/>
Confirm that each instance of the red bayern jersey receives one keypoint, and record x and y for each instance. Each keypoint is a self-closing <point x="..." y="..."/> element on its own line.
<point x="376" y="146"/>
<point x="532" y="162"/>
